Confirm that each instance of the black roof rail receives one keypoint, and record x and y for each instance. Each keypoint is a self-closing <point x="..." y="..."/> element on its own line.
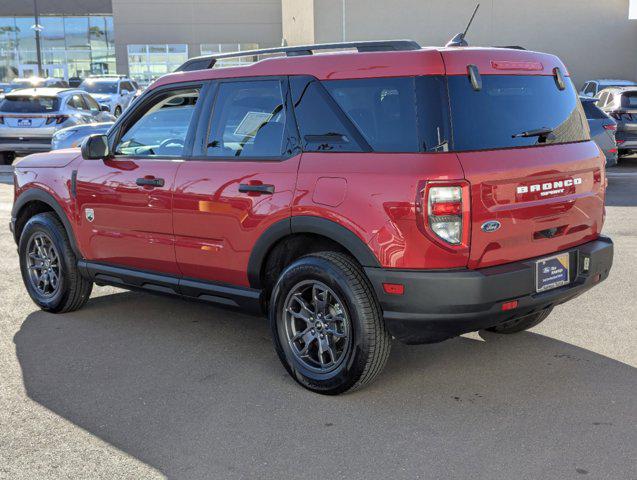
<point x="208" y="61"/>
<point x="514" y="47"/>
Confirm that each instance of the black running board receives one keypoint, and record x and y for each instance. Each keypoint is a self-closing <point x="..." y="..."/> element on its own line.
<point x="248" y="299"/>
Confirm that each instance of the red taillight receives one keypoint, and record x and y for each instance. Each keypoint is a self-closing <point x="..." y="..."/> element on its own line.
<point x="443" y="212"/>
<point x="619" y="142"/>
<point x="394" y="288"/>
<point x="58" y="119"/>
<point x="440" y="209"/>
<point x="612" y="126"/>
<point x="512" y="305"/>
<point x="612" y="150"/>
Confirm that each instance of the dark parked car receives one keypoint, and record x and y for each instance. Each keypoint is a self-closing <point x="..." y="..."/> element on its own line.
<point x="621" y="104"/>
<point x="603" y="129"/>
<point x="30" y="117"/>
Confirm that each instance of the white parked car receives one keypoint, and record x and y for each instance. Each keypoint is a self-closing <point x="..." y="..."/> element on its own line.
<point x="116" y="93"/>
<point x="30" y="117"/>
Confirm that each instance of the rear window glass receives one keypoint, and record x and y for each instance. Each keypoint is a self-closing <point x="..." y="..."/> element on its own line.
<point x="508" y="106"/>
<point x="29" y="104"/>
<point x="592" y="111"/>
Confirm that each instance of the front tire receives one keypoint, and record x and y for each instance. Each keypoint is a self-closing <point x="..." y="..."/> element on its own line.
<point x="327" y="325"/>
<point x="49" y="266"/>
<point x="520" y="324"/>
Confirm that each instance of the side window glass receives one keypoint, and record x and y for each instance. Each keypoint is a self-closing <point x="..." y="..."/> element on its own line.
<point x="590" y="88"/>
<point x="319" y="124"/>
<point x="602" y="99"/>
<point x="248" y="120"/>
<point x="91" y="103"/>
<point x="76" y="102"/>
<point x="162" y="128"/>
<point x="383" y="110"/>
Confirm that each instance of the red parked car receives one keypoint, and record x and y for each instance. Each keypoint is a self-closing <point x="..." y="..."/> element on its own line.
<point x="393" y="191"/>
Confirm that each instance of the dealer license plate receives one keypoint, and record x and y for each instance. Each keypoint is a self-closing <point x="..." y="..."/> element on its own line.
<point x="552" y="272"/>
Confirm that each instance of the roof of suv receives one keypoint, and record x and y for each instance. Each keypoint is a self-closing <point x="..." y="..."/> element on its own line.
<point x="348" y="64"/>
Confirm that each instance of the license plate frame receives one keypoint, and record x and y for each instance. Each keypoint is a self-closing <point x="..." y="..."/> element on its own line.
<point x="552" y="272"/>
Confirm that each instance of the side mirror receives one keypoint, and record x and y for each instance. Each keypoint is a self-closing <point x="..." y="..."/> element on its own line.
<point x="95" y="147"/>
<point x="104" y="108"/>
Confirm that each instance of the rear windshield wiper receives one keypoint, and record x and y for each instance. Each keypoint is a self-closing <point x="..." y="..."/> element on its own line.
<point x="538" y="132"/>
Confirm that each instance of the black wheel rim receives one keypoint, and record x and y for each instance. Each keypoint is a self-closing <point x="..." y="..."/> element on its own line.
<point x="317" y="327"/>
<point x="43" y="265"/>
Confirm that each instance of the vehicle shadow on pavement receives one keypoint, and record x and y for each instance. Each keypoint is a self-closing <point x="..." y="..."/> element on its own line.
<point x="198" y="392"/>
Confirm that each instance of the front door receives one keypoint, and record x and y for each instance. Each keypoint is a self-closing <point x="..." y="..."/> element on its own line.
<point x="125" y="202"/>
<point x="240" y="183"/>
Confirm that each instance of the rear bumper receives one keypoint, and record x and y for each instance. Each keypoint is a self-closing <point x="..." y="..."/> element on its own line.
<point x="25" y="144"/>
<point x="441" y="304"/>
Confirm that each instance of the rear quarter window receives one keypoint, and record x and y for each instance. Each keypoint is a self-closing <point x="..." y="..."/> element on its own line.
<point x="508" y="105"/>
<point x="382" y="109"/>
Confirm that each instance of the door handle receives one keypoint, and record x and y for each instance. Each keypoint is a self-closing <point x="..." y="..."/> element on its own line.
<point x="150" y="182"/>
<point x="258" y="189"/>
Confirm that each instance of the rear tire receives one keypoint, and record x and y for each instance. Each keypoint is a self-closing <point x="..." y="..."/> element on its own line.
<point x="520" y="324"/>
<point x="49" y="266"/>
<point x="327" y="325"/>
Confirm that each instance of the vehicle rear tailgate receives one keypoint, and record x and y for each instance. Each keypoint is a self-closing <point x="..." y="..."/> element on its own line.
<point x="546" y="198"/>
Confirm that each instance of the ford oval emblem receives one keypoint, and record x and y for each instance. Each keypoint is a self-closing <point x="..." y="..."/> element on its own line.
<point x="491" y="226"/>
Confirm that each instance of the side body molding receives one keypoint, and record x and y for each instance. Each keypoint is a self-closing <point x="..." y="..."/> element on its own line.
<point x="307" y="224"/>
<point x="37" y="194"/>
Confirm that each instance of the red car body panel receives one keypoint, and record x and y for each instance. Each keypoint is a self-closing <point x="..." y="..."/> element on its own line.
<point x="576" y="211"/>
<point x="132" y="224"/>
<point x="378" y="204"/>
<point x="215" y="225"/>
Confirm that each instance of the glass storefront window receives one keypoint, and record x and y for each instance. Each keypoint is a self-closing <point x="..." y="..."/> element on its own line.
<point x="212" y="48"/>
<point x="148" y="62"/>
<point x="70" y="46"/>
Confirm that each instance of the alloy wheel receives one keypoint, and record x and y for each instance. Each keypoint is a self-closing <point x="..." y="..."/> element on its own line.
<point x="43" y="264"/>
<point x="317" y="327"/>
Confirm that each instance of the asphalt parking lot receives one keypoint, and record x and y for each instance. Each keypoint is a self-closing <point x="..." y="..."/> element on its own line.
<point x="141" y="386"/>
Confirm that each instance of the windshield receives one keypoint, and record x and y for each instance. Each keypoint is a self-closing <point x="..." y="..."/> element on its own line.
<point x="99" y="87"/>
<point x="26" y="104"/>
<point x="507" y="106"/>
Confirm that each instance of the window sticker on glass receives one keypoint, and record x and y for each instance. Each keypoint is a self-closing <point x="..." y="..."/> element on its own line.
<point x="251" y="123"/>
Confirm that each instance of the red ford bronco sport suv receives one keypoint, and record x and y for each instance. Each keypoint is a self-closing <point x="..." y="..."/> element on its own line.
<point x="355" y="196"/>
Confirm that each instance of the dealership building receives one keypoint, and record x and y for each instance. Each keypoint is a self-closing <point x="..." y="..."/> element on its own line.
<point x="148" y="38"/>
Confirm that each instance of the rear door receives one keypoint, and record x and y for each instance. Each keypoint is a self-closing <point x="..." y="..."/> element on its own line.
<point x="545" y="190"/>
<point x="125" y="202"/>
<point x="240" y="180"/>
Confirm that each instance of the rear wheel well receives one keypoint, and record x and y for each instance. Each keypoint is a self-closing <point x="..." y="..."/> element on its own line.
<point x="291" y="248"/>
<point x="29" y="210"/>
